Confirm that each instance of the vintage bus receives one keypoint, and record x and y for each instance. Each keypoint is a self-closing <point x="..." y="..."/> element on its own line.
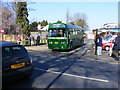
<point x="63" y="36"/>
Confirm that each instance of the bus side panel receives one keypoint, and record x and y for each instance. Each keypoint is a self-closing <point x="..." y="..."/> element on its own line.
<point x="75" y="41"/>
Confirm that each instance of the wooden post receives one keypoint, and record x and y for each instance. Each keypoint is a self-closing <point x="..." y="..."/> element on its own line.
<point x="96" y="42"/>
<point x="2" y="37"/>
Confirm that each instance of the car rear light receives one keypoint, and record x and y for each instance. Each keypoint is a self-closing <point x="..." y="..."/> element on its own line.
<point x="29" y="62"/>
<point x="30" y="59"/>
<point x="0" y="70"/>
<point x="119" y="52"/>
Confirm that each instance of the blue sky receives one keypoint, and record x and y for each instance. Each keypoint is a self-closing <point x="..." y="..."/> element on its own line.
<point x="97" y="13"/>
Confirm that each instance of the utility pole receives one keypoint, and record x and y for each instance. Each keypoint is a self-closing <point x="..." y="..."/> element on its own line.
<point x="96" y="42"/>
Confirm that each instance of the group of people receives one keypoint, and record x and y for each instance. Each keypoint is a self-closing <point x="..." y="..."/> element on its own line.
<point x="30" y="38"/>
<point x="98" y="43"/>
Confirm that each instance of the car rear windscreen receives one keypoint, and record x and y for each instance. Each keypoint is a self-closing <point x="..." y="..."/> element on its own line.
<point x="11" y="50"/>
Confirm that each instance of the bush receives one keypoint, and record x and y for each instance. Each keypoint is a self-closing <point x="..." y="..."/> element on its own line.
<point x="14" y="41"/>
<point x="43" y="41"/>
<point x="25" y="42"/>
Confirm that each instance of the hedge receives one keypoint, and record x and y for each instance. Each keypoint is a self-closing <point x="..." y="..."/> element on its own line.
<point x="27" y="42"/>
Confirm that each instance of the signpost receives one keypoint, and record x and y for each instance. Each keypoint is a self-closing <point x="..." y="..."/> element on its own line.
<point x="2" y="32"/>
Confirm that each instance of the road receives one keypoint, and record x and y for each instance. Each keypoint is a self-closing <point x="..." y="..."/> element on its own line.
<point x="78" y="68"/>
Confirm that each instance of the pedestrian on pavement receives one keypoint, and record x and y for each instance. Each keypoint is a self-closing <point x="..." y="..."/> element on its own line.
<point x="117" y="42"/>
<point x="99" y="44"/>
<point x="37" y="40"/>
<point x="18" y="39"/>
<point x="26" y="40"/>
<point x="31" y="40"/>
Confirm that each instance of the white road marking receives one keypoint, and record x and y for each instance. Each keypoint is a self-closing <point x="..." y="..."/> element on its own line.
<point x="83" y="77"/>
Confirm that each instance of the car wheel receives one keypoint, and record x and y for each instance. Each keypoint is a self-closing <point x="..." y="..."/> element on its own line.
<point x="27" y="76"/>
<point x="107" y="48"/>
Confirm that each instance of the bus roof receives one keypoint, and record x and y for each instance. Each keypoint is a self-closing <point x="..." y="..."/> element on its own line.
<point x="63" y="25"/>
<point x="73" y="26"/>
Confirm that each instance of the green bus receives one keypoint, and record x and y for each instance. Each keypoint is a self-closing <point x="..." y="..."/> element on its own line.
<point x="63" y="36"/>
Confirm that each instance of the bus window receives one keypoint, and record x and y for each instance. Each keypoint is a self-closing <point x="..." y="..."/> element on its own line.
<point x="60" y="33"/>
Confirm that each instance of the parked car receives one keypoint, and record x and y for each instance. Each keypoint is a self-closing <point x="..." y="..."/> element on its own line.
<point x="108" y="42"/>
<point x="16" y="62"/>
<point x="109" y="38"/>
<point x="116" y="49"/>
<point x="106" y="46"/>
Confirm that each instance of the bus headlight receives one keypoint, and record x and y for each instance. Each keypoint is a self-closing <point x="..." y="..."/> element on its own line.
<point x="62" y="47"/>
<point x="62" y="42"/>
<point x="50" y="42"/>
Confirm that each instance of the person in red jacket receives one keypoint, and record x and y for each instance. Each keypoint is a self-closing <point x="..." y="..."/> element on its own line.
<point x="18" y="39"/>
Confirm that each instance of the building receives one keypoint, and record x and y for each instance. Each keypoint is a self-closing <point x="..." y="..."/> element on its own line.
<point x="45" y="28"/>
<point x="109" y="27"/>
<point x="44" y="31"/>
<point x="106" y="29"/>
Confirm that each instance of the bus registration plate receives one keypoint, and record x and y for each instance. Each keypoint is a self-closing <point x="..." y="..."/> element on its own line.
<point x="56" y="42"/>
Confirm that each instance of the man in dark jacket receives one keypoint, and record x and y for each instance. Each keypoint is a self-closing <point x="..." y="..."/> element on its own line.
<point x="99" y="44"/>
<point x="116" y="48"/>
<point x="37" y="40"/>
<point x="117" y="42"/>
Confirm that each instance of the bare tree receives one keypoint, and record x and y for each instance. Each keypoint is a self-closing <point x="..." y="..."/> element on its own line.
<point x="7" y="18"/>
<point x="79" y="19"/>
<point x="13" y="6"/>
<point x="119" y="14"/>
<point x="0" y="16"/>
<point x="6" y="15"/>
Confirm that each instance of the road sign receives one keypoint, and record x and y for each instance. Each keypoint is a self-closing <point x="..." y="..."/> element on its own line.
<point x="2" y="31"/>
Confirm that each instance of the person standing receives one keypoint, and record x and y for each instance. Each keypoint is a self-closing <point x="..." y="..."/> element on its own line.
<point x="99" y="44"/>
<point x="18" y="39"/>
<point x="31" y="40"/>
<point x="37" y="40"/>
<point x="117" y="42"/>
<point x="26" y="40"/>
<point x="114" y="41"/>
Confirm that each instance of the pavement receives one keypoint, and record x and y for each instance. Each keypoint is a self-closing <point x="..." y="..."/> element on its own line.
<point x="103" y="58"/>
<point x="37" y="48"/>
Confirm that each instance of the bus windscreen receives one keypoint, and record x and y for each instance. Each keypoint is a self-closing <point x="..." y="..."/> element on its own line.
<point x="57" y="33"/>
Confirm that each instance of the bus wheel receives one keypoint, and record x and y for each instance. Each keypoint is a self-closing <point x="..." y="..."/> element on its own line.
<point x="71" y="46"/>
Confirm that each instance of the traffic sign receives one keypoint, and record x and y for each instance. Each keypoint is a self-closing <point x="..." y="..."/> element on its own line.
<point x="2" y="31"/>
